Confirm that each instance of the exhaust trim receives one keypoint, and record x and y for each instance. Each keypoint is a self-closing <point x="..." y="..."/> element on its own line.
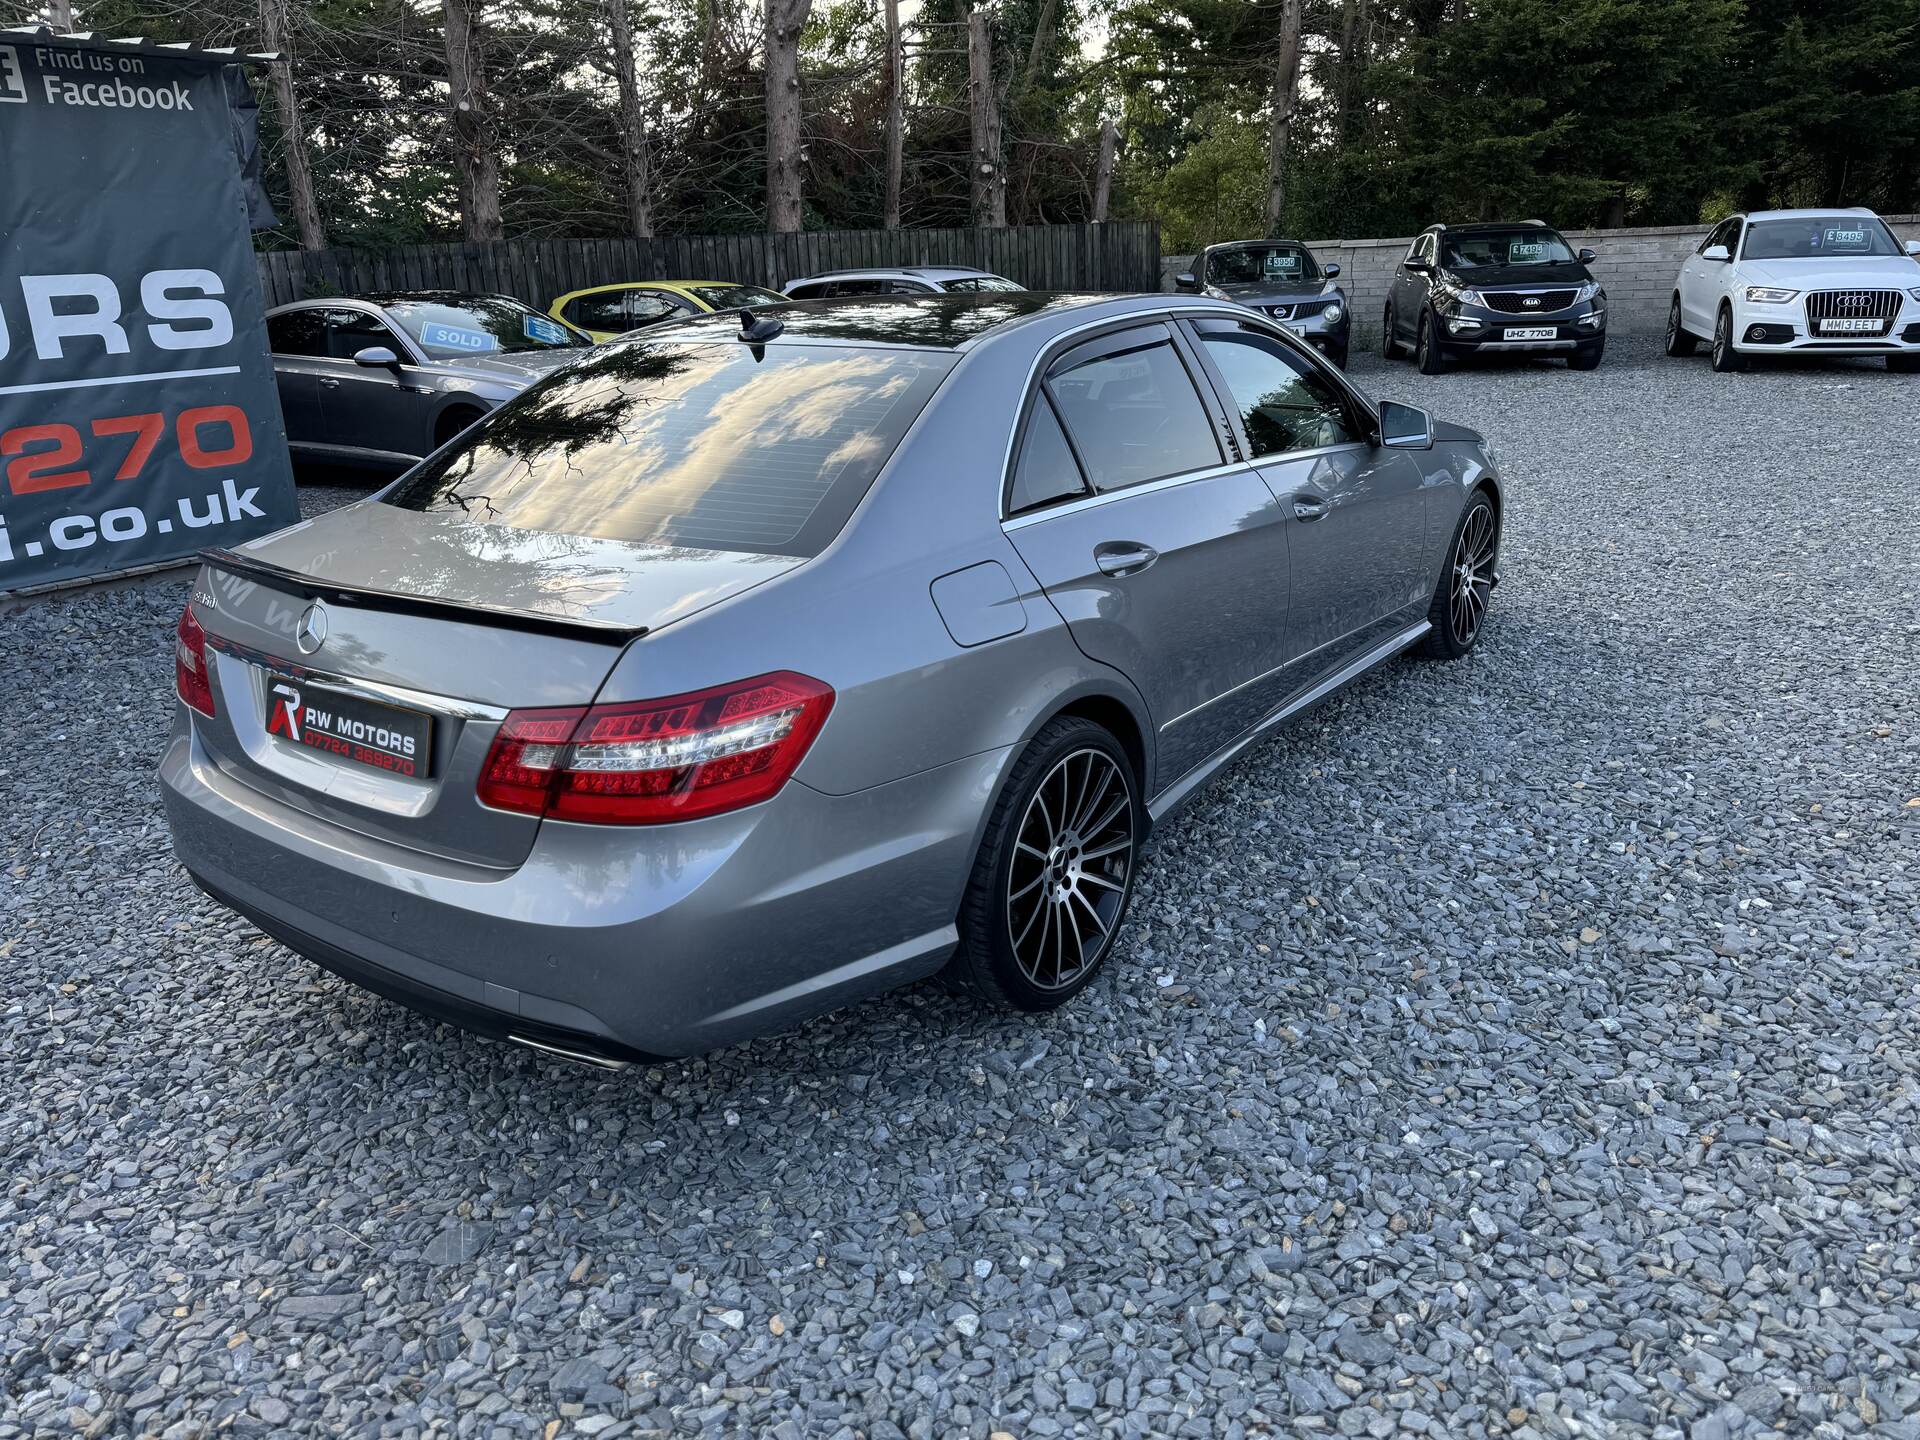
<point x="562" y="1052"/>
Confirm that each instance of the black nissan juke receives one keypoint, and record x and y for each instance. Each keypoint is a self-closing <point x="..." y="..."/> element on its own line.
<point x="1494" y="289"/>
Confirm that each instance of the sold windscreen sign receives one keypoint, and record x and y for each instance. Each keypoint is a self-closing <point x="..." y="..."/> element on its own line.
<point x="138" y="418"/>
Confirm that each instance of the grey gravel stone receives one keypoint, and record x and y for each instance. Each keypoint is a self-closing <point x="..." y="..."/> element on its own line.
<point x="1564" y="1087"/>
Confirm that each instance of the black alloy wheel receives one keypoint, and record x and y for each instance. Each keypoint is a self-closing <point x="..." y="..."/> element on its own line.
<point x="1680" y="343"/>
<point x="1726" y="359"/>
<point x="1427" y="353"/>
<point x="1458" y="612"/>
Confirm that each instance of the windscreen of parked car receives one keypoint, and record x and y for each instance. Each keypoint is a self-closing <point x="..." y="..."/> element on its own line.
<point x="736" y="297"/>
<point x="976" y="284"/>
<point x="1262" y="265"/>
<point x="1821" y="237"/>
<point x="720" y="446"/>
<point x="482" y="325"/>
<point x="1522" y="245"/>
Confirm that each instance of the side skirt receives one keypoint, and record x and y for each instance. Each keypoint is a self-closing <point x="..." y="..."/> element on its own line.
<point x="1183" y="789"/>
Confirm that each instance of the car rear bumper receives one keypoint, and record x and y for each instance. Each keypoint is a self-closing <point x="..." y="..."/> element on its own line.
<point x="609" y="943"/>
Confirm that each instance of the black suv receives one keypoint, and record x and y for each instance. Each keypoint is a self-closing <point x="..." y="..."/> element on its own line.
<point x="1496" y="289"/>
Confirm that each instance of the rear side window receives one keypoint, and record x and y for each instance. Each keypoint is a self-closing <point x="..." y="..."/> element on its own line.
<point x="1047" y="470"/>
<point x="1135" y="416"/>
<point x="606" y="310"/>
<point x="721" y="446"/>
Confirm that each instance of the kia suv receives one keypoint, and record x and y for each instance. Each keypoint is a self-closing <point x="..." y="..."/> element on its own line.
<point x="1495" y="289"/>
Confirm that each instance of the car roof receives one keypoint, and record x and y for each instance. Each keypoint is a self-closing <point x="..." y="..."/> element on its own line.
<point x="1482" y="226"/>
<point x="916" y="322"/>
<point x="1244" y="244"/>
<point x="670" y="285"/>
<point x="426" y="297"/>
<point x="922" y="272"/>
<point x="1808" y="214"/>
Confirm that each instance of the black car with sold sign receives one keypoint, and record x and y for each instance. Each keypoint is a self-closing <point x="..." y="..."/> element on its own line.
<point x="1494" y="289"/>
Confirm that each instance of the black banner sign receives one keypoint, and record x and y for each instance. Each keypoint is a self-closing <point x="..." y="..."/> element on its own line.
<point x="138" y="417"/>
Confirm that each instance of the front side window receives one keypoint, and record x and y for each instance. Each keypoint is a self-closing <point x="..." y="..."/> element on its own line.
<point x="298" y="332"/>
<point x="1046" y="470"/>
<point x="721" y="446"/>
<point x="1135" y="416"/>
<point x="651" y="310"/>
<point x="1522" y="245"/>
<point x="351" y="331"/>
<point x="1262" y="265"/>
<point x="481" y="325"/>
<point x="1284" y="404"/>
<point x="1821" y="237"/>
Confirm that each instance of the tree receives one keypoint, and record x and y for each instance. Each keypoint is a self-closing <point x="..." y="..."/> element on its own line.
<point x="983" y="98"/>
<point x="784" y="21"/>
<point x="475" y="150"/>
<point x="633" y="123"/>
<point x="1286" y="88"/>
<point x="306" y="209"/>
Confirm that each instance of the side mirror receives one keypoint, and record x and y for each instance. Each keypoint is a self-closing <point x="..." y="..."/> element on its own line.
<point x="1402" y="427"/>
<point x="1913" y="247"/>
<point x="1588" y="255"/>
<point x="1332" y="272"/>
<point x="1418" y="266"/>
<point x="1716" y="252"/>
<point x="1186" y="280"/>
<point x="377" y="357"/>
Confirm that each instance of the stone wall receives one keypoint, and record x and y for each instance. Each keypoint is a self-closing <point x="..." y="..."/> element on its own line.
<point x="1636" y="266"/>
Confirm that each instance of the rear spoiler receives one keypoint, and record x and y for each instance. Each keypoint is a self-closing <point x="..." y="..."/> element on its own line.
<point x="395" y="602"/>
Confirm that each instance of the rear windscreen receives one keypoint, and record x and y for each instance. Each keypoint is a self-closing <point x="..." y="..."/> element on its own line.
<point x="720" y="446"/>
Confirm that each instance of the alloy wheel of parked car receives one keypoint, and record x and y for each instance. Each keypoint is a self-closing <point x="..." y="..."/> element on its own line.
<point x="1459" y="608"/>
<point x="1680" y="343"/>
<point x="1389" y="347"/>
<point x="1055" y="870"/>
<point x="1726" y="359"/>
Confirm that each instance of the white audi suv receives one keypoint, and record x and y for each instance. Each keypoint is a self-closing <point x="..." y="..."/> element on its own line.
<point x="1819" y="282"/>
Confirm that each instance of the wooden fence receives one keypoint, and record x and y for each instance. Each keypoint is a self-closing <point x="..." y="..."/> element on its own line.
<point x="1118" y="256"/>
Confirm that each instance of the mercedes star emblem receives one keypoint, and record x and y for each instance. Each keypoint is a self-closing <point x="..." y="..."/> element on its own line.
<point x="312" y="633"/>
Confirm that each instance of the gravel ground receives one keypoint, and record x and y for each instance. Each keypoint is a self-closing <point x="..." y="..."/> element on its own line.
<point x="1529" y="1046"/>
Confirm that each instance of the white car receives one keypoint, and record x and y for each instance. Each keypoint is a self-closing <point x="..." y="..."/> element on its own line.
<point x="1803" y="282"/>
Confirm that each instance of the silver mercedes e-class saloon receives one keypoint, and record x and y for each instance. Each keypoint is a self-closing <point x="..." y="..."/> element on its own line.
<point x="760" y="663"/>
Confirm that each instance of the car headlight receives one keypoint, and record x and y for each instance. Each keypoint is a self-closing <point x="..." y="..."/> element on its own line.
<point x="1588" y="290"/>
<point x="1915" y="292"/>
<point x="1332" y="313"/>
<point x="1470" y="297"/>
<point x="1769" y="295"/>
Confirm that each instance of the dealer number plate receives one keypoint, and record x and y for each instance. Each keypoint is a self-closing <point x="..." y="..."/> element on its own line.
<point x="1530" y="332"/>
<point x="362" y="732"/>
<point x="1850" y="327"/>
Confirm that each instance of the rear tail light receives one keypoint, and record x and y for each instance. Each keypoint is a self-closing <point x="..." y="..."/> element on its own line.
<point x="190" y="679"/>
<point x="653" y="761"/>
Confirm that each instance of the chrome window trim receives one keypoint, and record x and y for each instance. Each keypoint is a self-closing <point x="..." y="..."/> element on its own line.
<point x="1063" y="342"/>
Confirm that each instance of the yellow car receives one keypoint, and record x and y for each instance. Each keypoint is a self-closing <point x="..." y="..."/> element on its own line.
<point x="609" y="310"/>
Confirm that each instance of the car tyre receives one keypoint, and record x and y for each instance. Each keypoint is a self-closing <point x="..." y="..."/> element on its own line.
<point x="1587" y="357"/>
<point x="452" y="422"/>
<point x="1427" y="352"/>
<point x="1726" y="359"/>
<point x="1680" y="341"/>
<point x="1904" y="364"/>
<point x="1338" y="354"/>
<point x="1045" y="884"/>
<point x="1389" y="347"/>
<point x="1458" y="612"/>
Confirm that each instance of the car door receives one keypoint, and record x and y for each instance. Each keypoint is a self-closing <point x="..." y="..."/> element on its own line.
<point x="1359" y="509"/>
<point x="1702" y="281"/>
<point x="385" y="409"/>
<point x="298" y="341"/>
<point x="1410" y="289"/>
<point x="1166" y="555"/>
<point x="654" y="307"/>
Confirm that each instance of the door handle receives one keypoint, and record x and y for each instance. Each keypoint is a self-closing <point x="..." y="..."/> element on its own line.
<point x="1308" y="507"/>
<point x="1124" y="557"/>
<point x="330" y="382"/>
